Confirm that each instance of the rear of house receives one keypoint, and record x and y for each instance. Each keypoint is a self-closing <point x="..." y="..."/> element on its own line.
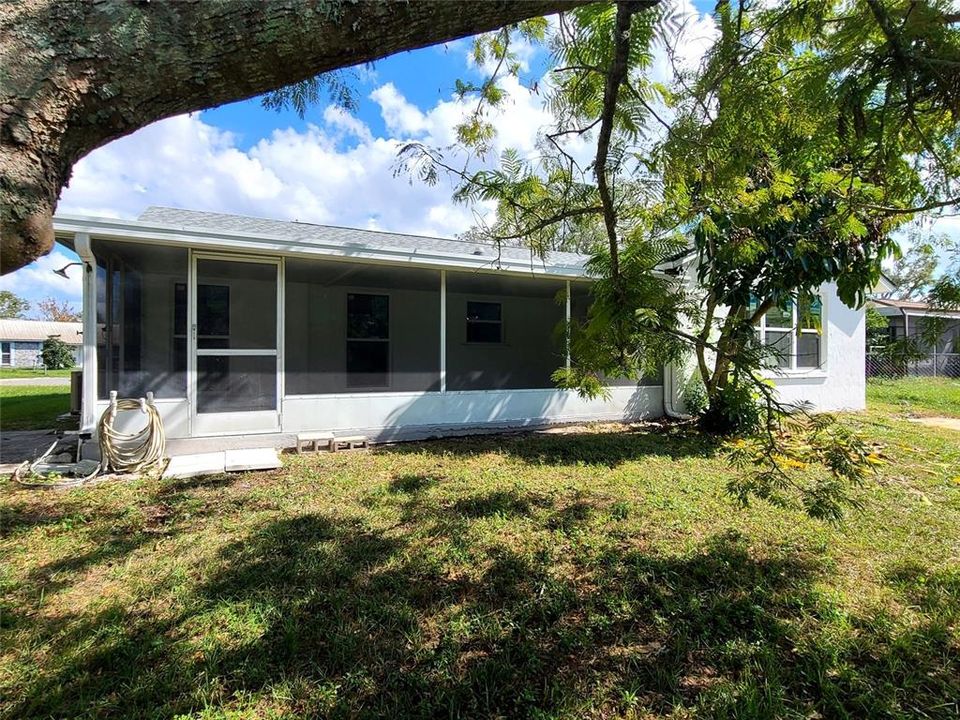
<point x="22" y="340"/>
<point x="240" y="326"/>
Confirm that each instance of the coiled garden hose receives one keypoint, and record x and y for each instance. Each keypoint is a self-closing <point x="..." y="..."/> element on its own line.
<point x="131" y="452"/>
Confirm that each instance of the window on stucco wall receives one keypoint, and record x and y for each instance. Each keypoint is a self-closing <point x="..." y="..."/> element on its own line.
<point x="792" y="335"/>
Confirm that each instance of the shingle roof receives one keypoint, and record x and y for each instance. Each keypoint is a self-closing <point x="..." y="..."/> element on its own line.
<point x="38" y="330"/>
<point x="330" y="234"/>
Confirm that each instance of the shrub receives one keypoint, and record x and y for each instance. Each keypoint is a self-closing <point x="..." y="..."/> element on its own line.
<point x="56" y="354"/>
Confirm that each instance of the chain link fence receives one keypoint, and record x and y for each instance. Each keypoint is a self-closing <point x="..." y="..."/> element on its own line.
<point x="934" y="364"/>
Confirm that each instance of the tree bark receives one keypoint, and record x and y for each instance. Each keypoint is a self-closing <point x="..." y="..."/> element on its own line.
<point x="78" y="73"/>
<point x="616" y="75"/>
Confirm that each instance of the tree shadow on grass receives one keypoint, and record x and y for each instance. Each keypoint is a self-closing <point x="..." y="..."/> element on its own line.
<point x="331" y="617"/>
<point x="111" y="532"/>
<point x="608" y="449"/>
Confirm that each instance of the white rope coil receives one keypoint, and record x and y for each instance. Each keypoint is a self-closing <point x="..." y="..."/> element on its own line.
<point x="131" y="452"/>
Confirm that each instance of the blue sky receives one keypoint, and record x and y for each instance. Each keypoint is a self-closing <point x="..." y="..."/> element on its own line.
<point x="423" y="76"/>
<point x="328" y="167"/>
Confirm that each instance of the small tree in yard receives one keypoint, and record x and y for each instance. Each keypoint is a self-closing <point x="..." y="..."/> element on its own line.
<point x="57" y="310"/>
<point x="808" y="134"/>
<point x="56" y="354"/>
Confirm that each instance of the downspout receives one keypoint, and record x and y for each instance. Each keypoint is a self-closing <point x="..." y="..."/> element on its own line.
<point x="669" y="409"/>
<point x="669" y="371"/>
<point x="88" y="401"/>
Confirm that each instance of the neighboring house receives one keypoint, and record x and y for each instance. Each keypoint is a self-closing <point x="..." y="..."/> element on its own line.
<point x="240" y="325"/>
<point x="22" y="340"/>
<point x="907" y="318"/>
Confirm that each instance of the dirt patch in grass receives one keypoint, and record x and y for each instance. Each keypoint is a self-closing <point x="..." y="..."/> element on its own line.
<point x="948" y="423"/>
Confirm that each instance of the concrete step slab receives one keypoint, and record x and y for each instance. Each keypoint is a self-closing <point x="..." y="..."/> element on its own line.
<point x="212" y="463"/>
<point x="251" y="459"/>
<point x="188" y="466"/>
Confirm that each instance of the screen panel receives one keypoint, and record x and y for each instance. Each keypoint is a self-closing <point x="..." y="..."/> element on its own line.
<point x="333" y="308"/>
<point x="141" y="319"/>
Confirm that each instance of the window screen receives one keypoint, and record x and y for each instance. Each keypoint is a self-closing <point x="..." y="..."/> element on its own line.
<point x="484" y="322"/>
<point x="502" y="331"/>
<point x="352" y="327"/>
<point x="368" y="340"/>
<point x="141" y="319"/>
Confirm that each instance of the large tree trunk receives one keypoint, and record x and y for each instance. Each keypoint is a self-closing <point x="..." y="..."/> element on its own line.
<point x="77" y="73"/>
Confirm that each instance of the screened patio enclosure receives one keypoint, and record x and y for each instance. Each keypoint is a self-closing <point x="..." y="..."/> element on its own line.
<point x="251" y="343"/>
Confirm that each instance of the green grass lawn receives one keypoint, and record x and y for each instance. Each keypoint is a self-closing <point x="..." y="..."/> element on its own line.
<point x="14" y="372"/>
<point x="920" y="396"/>
<point x="32" y="407"/>
<point x="599" y="575"/>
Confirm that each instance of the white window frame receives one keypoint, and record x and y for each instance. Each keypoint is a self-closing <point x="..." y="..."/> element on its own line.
<point x="6" y="356"/>
<point x="793" y="333"/>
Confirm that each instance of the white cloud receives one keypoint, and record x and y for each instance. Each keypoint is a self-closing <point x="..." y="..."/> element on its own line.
<point x="336" y="172"/>
<point x="400" y="116"/>
<point x="38" y="281"/>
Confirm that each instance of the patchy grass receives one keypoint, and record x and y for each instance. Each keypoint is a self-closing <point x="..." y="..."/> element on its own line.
<point x="9" y="372"/>
<point x="597" y="575"/>
<point x="916" y="396"/>
<point x="33" y="407"/>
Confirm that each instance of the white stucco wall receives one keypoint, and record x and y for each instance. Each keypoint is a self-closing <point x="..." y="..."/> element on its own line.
<point x="841" y="383"/>
<point x="402" y="416"/>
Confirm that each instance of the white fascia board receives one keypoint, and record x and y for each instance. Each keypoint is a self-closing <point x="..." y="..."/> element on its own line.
<point x="945" y="314"/>
<point x="65" y="226"/>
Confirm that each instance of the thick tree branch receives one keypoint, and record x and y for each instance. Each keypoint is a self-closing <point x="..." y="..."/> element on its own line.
<point x="77" y="74"/>
<point x="551" y="220"/>
<point x="616" y="76"/>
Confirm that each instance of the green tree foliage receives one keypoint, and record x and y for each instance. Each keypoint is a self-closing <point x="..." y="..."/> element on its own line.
<point x="806" y="138"/>
<point x="810" y="132"/>
<point x="56" y="354"/>
<point x="915" y="272"/>
<point x="12" y="306"/>
<point x="878" y="329"/>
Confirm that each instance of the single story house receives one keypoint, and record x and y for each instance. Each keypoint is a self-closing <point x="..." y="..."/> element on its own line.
<point x="22" y="340"/>
<point x="907" y="318"/>
<point x="240" y="325"/>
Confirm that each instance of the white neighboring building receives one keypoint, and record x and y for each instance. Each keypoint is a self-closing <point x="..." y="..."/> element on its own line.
<point x="22" y="340"/>
<point x="249" y="326"/>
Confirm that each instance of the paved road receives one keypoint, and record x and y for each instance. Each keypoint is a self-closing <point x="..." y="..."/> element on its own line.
<point x="19" y="445"/>
<point x="39" y="380"/>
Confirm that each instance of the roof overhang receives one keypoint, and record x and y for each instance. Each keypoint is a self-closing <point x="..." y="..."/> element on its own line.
<point x="68" y="226"/>
<point x="887" y="310"/>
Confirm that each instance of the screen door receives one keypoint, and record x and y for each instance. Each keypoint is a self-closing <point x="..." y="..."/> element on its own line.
<point x="235" y="340"/>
